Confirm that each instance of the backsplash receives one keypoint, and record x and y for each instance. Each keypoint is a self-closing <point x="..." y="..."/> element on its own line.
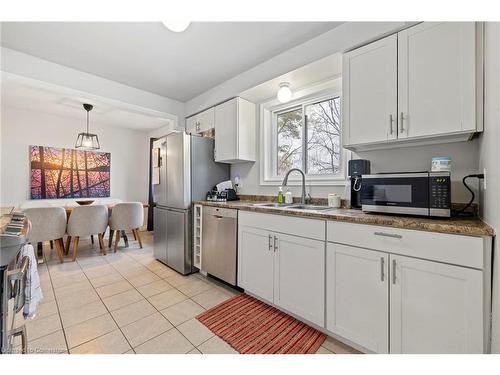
<point x="464" y="159"/>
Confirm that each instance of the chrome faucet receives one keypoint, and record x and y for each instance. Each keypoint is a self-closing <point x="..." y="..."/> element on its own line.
<point x="285" y="181"/>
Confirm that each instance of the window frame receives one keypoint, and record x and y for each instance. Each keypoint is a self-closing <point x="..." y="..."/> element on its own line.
<point x="269" y="136"/>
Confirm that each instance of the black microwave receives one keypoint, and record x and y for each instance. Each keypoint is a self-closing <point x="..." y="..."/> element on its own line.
<point x="408" y="193"/>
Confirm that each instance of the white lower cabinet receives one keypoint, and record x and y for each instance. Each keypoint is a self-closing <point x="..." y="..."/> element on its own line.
<point x="300" y="276"/>
<point x="386" y="290"/>
<point x="256" y="262"/>
<point x="286" y="270"/>
<point x="435" y="307"/>
<point x="357" y="296"/>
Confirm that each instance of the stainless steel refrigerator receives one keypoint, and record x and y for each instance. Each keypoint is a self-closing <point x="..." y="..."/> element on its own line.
<point x="187" y="172"/>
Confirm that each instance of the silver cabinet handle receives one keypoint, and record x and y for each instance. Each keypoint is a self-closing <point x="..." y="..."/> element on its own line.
<point x="270" y="242"/>
<point x="382" y="273"/>
<point x="275" y="243"/>
<point x="387" y="235"/>
<point x="394" y="271"/>
<point x="391" y="120"/>
<point x="401" y="128"/>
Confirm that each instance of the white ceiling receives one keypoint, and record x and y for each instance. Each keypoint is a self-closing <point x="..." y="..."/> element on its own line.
<point x="147" y="56"/>
<point x="62" y="102"/>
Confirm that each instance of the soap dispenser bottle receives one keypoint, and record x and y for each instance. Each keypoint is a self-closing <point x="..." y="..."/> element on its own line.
<point x="281" y="197"/>
<point x="288" y="196"/>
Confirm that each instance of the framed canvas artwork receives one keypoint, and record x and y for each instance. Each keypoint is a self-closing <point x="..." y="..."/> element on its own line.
<point x="68" y="173"/>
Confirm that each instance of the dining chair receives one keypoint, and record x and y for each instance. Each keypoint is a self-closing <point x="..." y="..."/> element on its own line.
<point x="86" y="221"/>
<point x="126" y="216"/>
<point x="48" y="224"/>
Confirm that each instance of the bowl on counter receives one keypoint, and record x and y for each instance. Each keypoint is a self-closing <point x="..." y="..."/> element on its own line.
<point x="85" y="203"/>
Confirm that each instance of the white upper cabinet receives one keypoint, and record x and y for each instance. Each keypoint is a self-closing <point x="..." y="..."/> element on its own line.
<point x="235" y="131"/>
<point x="422" y="85"/>
<point x="435" y="307"/>
<point x="369" y="89"/>
<point x="201" y="122"/>
<point x="436" y="79"/>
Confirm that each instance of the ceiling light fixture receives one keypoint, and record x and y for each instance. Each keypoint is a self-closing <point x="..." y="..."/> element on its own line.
<point x="177" y="26"/>
<point x="284" y="93"/>
<point x="87" y="140"/>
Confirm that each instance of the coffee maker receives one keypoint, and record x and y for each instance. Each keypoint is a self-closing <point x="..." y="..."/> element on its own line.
<point x="356" y="168"/>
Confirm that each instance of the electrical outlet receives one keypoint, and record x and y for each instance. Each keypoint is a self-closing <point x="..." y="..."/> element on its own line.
<point x="237" y="180"/>
<point x="484" y="179"/>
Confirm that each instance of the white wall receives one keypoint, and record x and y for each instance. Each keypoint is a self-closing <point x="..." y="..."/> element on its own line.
<point x="489" y="158"/>
<point x="22" y="127"/>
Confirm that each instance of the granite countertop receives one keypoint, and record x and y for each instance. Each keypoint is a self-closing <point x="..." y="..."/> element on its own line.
<point x="463" y="226"/>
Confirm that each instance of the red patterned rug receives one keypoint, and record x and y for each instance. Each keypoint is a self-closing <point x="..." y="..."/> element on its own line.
<point x="253" y="327"/>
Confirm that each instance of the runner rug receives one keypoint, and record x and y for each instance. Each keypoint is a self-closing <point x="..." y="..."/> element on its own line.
<point x="253" y="327"/>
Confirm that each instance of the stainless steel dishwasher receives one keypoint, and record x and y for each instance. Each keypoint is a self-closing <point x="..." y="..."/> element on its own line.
<point x="219" y="242"/>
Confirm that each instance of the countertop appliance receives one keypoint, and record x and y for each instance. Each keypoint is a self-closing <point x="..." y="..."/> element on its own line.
<point x="222" y="196"/>
<point x="187" y="171"/>
<point x="219" y="243"/>
<point x="412" y="193"/>
<point x="356" y="168"/>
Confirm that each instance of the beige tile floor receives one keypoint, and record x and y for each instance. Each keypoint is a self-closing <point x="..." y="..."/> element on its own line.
<point x="127" y="302"/>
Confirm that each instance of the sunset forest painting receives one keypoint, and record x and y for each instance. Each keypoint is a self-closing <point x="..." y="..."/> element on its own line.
<point x="67" y="173"/>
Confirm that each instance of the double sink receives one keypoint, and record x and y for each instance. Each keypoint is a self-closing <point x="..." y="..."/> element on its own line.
<point x="291" y="206"/>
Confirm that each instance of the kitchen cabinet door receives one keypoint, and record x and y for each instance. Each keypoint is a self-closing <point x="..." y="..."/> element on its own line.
<point x="201" y="122"/>
<point x="300" y="276"/>
<point x="357" y="295"/>
<point x="226" y="131"/>
<point x="435" y="307"/>
<point x="436" y="79"/>
<point x="369" y="85"/>
<point x="191" y="125"/>
<point x="235" y="131"/>
<point x="256" y="262"/>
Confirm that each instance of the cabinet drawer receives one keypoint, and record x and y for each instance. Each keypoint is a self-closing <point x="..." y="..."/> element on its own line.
<point x="448" y="248"/>
<point x="297" y="226"/>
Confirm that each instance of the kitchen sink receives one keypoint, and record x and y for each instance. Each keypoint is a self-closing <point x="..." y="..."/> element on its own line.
<point x="293" y="206"/>
<point x="273" y="205"/>
<point x="311" y="207"/>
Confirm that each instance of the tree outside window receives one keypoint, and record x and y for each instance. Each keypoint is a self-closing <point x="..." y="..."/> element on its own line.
<point x="308" y="137"/>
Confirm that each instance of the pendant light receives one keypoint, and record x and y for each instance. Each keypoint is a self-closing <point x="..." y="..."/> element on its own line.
<point x="87" y="140"/>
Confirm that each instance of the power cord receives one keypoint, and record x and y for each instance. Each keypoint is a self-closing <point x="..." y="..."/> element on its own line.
<point x="462" y="211"/>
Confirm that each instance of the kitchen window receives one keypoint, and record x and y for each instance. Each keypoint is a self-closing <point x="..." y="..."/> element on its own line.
<point x="308" y="137"/>
<point x="304" y="134"/>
